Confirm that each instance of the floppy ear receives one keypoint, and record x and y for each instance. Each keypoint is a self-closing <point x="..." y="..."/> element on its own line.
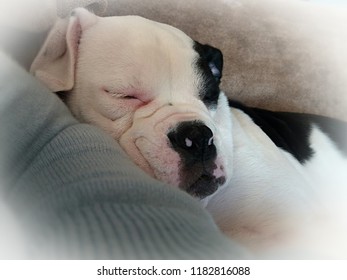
<point x="213" y="57"/>
<point x="55" y="63"/>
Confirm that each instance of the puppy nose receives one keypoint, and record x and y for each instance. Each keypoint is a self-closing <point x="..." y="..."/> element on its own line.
<point x="193" y="141"/>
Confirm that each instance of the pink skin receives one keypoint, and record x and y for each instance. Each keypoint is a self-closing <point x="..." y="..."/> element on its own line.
<point x="219" y="171"/>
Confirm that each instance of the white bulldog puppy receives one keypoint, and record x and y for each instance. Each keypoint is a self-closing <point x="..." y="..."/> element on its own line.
<point x="264" y="176"/>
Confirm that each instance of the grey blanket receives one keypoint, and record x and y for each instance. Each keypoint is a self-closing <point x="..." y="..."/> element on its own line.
<point x="72" y="192"/>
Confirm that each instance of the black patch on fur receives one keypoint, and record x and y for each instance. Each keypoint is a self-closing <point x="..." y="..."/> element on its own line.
<point x="210" y="66"/>
<point x="197" y="159"/>
<point x="291" y="131"/>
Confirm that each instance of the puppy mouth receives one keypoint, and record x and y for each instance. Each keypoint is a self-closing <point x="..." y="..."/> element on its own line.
<point x="205" y="185"/>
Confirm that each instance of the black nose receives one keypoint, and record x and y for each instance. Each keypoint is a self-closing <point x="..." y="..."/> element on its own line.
<point x="193" y="141"/>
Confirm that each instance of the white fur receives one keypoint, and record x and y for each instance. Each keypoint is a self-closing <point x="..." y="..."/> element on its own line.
<point x="269" y="199"/>
<point x="272" y="201"/>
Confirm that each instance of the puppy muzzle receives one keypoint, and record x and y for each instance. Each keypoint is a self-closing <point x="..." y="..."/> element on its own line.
<point x="194" y="142"/>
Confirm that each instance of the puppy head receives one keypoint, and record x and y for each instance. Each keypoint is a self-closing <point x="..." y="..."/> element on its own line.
<point x="151" y="87"/>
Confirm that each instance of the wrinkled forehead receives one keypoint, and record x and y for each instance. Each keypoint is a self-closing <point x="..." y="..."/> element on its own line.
<point x="125" y="32"/>
<point x="135" y="48"/>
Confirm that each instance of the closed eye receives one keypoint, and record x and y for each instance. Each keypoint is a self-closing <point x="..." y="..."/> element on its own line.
<point x="128" y="97"/>
<point x="118" y="94"/>
<point x="135" y="96"/>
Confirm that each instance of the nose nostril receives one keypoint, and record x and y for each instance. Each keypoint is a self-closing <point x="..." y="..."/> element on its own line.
<point x="193" y="141"/>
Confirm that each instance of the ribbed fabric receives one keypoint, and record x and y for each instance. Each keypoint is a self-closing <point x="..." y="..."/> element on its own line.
<point x="76" y="195"/>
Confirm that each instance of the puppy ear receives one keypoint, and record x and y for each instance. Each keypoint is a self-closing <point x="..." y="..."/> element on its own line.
<point x="55" y="63"/>
<point x="213" y="57"/>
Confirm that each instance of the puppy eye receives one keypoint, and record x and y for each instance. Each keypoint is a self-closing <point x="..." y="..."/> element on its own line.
<point x="215" y="71"/>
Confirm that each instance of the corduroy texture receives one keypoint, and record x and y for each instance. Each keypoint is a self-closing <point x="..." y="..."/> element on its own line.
<point x="75" y="194"/>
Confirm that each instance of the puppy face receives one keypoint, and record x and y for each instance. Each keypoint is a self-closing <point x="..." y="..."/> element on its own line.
<point x="152" y="88"/>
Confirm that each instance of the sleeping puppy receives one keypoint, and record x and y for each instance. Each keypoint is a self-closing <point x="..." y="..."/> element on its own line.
<point x="264" y="176"/>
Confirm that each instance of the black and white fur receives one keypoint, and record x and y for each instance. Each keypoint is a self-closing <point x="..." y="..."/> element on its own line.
<point x="272" y="180"/>
<point x="292" y="162"/>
